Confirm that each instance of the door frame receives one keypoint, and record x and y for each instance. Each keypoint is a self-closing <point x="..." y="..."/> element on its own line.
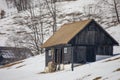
<point x="90" y="54"/>
<point x="59" y="56"/>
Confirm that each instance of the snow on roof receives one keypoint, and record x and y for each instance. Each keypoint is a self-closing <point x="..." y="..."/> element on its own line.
<point x="7" y="54"/>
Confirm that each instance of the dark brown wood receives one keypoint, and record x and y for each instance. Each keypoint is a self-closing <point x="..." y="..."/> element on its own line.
<point x="79" y="54"/>
<point x="92" y="35"/>
<point x="89" y="42"/>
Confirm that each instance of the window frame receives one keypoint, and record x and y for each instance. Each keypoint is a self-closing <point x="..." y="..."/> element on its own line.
<point x="65" y="50"/>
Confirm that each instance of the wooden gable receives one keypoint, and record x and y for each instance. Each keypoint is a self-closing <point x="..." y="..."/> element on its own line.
<point x="93" y="34"/>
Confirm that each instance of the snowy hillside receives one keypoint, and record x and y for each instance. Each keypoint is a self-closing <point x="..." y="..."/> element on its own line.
<point x="12" y="26"/>
<point x="32" y="68"/>
<point x="115" y="33"/>
<point x="9" y="10"/>
<point x="13" y="31"/>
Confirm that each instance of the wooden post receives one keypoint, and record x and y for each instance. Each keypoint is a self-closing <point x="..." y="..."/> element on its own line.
<point x="63" y="58"/>
<point x="72" y="66"/>
<point x="59" y="51"/>
<point x="46" y="55"/>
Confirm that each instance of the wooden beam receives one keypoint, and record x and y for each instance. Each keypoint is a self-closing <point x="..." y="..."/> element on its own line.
<point x="46" y="55"/>
<point x="72" y="56"/>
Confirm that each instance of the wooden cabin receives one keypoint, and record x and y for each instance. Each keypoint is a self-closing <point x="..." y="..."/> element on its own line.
<point x="78" y="42"/>
<point x="11" y="54"/>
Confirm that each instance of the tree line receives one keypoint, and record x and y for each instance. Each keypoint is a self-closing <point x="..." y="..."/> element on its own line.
<point x="41" y="19"/>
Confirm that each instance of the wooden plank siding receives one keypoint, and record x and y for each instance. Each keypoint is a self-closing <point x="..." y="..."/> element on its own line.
<point x="92" y="40"/>
<point x="79" y="54"/>
<point x="91" y="35"/>
<point x="104" y="50"/>
<point x="67" y="56"/>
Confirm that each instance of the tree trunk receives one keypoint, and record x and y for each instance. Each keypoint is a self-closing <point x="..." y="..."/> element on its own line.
<point x="116" y="11"/>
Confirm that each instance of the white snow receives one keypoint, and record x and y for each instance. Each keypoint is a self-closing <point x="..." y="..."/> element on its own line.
<point x="9" y="9"/>
<point x="115" y="33"/>
<point x="7" y="54"/>
<point x="100" y="57"/>
<point x="3" y="4"/>
<point x="31" y="69"/>
<point x="74" y="6"/>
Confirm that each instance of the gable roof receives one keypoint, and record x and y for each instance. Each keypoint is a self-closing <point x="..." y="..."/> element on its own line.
<point x="65" y="33"/>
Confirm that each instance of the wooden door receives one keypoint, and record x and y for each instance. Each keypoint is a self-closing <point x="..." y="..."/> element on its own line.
<point x="80" y="54"/>
<point x="90" y="54"/>
<point x="58" y="56"/>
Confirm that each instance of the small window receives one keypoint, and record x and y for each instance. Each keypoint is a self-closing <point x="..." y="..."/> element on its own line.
<point x="65" y="50"/>
<point x="50" y="52"/>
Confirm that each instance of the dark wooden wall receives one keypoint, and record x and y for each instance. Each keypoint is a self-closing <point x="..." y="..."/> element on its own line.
<point x="67" y="56"/>
<point x="58" y="55"/>
<point x="94" y="40"/>
<point x="79" y="54"/>
<point x="92" y="35"/>
<point x="91" y="41"/>
<point x="47" y="56"/>
<point x="104" y="50"/>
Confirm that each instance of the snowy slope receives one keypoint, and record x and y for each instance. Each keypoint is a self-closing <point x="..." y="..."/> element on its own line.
<point x="30" y="69"/>
<point x="74" y="6"/>
<point x="9" y="10"/>
<point x="3" y="4"/>
<point x="115" y="33"/>
<point x="10" y="27"/>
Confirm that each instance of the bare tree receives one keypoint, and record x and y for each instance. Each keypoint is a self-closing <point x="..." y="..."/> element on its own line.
<point x="22" y="4"/>
<point x="51" y="6"/>
<point x="116" y="3"/>
<point x="36" y="26"/>
<point x="114" y="8"/>
<point x="34" y="21"/>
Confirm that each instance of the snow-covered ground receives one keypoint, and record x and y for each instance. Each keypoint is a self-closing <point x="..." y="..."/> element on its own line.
<point x="115" y="33"/>
<point x="30" y="69"/>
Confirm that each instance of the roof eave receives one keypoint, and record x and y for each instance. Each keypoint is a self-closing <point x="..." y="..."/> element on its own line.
<point x="62" y="44"/>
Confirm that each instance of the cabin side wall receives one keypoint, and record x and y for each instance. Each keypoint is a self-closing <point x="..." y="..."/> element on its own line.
<point x="48" y="56"/>
<point x="67" y="55"/>
<point x="104" y="50"/>
<point x="63" y="54"/>
<point x="93" y="35"/>
<point x="79" y="54"/>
